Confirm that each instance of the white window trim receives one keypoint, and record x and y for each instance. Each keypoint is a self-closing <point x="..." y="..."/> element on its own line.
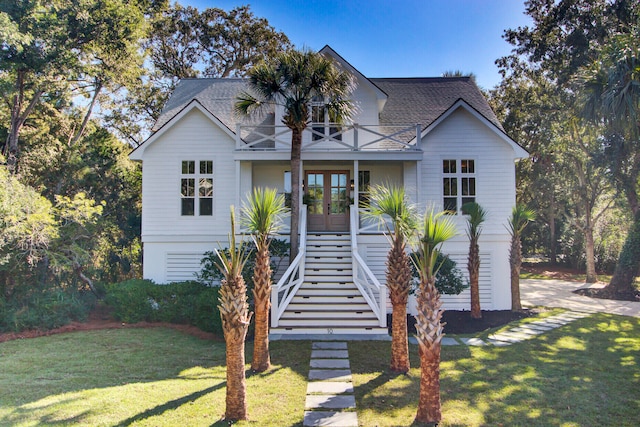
<point x="458" y="175"/>
<point x="196" y="176"/>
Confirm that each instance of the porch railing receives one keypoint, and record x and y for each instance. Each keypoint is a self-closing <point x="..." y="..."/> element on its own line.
<point x="284" y="291"/>
<point x="373" y="292"/>
<point x="353" y="137"/>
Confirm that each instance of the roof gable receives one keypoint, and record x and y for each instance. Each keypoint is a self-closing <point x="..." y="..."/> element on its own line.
<point x="195" y="104"/>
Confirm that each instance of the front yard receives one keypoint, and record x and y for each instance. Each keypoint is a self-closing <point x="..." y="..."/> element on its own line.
<point x="583" y="374"/>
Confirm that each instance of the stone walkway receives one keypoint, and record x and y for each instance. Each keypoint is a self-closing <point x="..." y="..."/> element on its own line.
<point x="330" y="398"/>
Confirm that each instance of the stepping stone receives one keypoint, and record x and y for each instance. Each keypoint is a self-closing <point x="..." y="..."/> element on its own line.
<point x="329" y="345"/>
<point x="329" y="354"/>
<point x="329" y="387"/>
<point x="473" y="341"/>
<point x="537" y="326"/>
<point x="330" y="363"/>
<point x="504" y="337"/>
<point x="330" y="419"/>
<point x="526" y="330"/>
<point x="332" y="401"/>
<point x="330" y="374"/>
<point x="552" y="323"/>
<point x="449" y="341"/>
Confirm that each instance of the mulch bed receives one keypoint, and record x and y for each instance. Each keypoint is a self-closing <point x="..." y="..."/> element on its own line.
<point x="460" y="321"/>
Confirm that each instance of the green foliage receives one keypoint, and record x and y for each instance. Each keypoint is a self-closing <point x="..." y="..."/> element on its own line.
<point x="190" y="303"/>
<point x="449" y="278"/>
<point x="44" y="309"/>
<point x="437" y="228"/>
<point x="210" y="274"/>
<point x="390" y="201"/>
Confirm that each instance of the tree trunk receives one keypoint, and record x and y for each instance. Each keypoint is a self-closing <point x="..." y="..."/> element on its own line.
<point x="399" y="281"/>
<point x="474" y="276"/>
<point x="261" y="294"/>
<point x="553" y="251"/>
<point x="622" y="282"/>
<point x="296" y="145"/>
<point x="515" y="260"/>
<point x="236" y="403"/>
<point x="87" y="116"/>
<point x="590" y="255"/>
<point x="429" y="335"/>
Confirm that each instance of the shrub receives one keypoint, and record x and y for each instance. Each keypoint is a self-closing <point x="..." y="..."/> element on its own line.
<point x="449" y="279"/>
<point x="191" y="303"/>
<point x="44" y="309"/>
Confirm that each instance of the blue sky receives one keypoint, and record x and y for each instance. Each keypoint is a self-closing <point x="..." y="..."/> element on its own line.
<point x="397" y="38"/>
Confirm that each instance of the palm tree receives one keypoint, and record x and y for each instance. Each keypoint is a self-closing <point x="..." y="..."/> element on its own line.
<point x="477" y="215"/>
<point x="262" y="216"/>
<point x="235" y="314"/>
<point x="520" y="217"/>
<point x="392" y="202"/>
<point x="292" y="79"/>
<point x="436" y="229"/>
<point x="612" y="97"/>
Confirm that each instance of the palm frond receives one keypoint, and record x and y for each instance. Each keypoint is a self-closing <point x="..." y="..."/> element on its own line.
<point x="520" y="217"/>
<point x="231" y="262"/>
<point x="263" y="212"/>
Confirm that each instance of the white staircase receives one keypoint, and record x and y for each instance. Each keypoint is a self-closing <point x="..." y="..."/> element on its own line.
<point x="328" y="302"/>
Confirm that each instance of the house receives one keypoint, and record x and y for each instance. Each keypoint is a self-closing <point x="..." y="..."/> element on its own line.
<point x="436" y="136"/>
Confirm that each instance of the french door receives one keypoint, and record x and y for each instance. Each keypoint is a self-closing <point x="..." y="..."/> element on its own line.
<point x="327" y="198"/>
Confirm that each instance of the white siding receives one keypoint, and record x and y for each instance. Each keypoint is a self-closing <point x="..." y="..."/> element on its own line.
<point x="462" y="136"/>
<point x="195" y="137"/>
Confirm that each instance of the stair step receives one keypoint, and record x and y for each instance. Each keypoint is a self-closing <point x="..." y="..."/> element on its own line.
<point x="324" y="307"/>
<point x="326" y="315"/>
<point x="344" y="284"/>
<point x="309" y="330"/>
<point x="314" y="265"/>
<point x="327" y="292"/>
<point x="317" y="299"/>
<point x="328" y="323"/>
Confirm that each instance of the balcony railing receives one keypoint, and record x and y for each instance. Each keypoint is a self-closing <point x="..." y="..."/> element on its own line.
<point x="353" y="137"/>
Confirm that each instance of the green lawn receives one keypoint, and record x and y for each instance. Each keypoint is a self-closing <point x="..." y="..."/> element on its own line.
<point x="583" y="374"/>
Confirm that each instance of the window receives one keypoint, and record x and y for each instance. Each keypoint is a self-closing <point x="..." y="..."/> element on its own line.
<point x="200" y="197"/>
<point x="458" y="184"/>
<point x="364" y="183"/>
<point x="320" y="123"/>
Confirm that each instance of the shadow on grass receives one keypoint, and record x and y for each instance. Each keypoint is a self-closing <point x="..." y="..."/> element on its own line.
<point x="585" y="373"/>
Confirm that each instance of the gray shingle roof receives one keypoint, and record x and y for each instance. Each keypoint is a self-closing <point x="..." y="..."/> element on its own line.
<point x="423" y="100"/>
<point x="410" y="100"/>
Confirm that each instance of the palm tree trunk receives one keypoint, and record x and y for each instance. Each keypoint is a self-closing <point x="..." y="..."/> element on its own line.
<point x="261" y="293"/>
<point x="474" y="273"/>
<point x="398" y="280"/>
<point x="296" y="144"/>
<point x="429" y="334"/>
<point x="515" y="260"/>
<point x="236" y="404"/>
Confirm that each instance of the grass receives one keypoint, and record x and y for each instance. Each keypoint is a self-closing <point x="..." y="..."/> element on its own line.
<point x="585" y="373"/>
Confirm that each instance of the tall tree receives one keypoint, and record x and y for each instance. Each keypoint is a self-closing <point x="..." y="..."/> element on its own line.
<point x="520" y="217"/>
<point x="476" y="216"/>
<point x="391" y="203"/>
<point x="436" y="229"/>
<point x="234" y="311"/>
<point x="292" y="80"/>
<point x="262" y="215"/>
<point x="612" y="97"/>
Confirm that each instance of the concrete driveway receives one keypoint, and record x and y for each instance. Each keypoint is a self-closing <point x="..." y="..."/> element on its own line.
<point x="559" y="293"/>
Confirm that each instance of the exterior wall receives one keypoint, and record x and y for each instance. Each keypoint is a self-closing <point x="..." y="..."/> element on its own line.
<point x="165" y="233"/>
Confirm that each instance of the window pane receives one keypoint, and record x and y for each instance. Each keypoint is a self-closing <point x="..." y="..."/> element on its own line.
<point x="450" y="187"/>
<point x="472" y="186"/>
<point x="287" y="181"/>
<point x="465" y="186"/>
<point x="449" y="166"/>
<point x="188" y="187"/>
<point x="206" y="167"/>
<point x="468" y="200"/>
<point x="450" y="204"/>
<point x="206" y="207"/>
<point x="206" y="187"/>
<point x="364" y="178"/>
<point x="467" y="166"/>
<point x="188" y="167"/>
<point x="187" y="206"/>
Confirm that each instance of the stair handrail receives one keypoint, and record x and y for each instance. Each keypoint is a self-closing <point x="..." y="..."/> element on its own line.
<point x="284" y="291"/>
<point x="373" y="292"/>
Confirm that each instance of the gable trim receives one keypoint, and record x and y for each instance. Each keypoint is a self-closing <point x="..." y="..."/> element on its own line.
<point x="520" y="152"/>
<point x="138" y="152"/>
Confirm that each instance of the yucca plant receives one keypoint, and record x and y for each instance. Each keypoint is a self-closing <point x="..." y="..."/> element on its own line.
<point x="436" y="229"/>
<point x="391" y="202"/>
<point x="476" y="216"/>
<point x="262" y="216"/>
<point x="234" y="311"/>
<point x="520" y="217"/>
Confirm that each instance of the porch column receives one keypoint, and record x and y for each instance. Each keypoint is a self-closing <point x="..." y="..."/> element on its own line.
<point x="356" y="191"/>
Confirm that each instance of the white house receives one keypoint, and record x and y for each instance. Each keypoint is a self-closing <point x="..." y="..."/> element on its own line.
<point x="436" y="136"/>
